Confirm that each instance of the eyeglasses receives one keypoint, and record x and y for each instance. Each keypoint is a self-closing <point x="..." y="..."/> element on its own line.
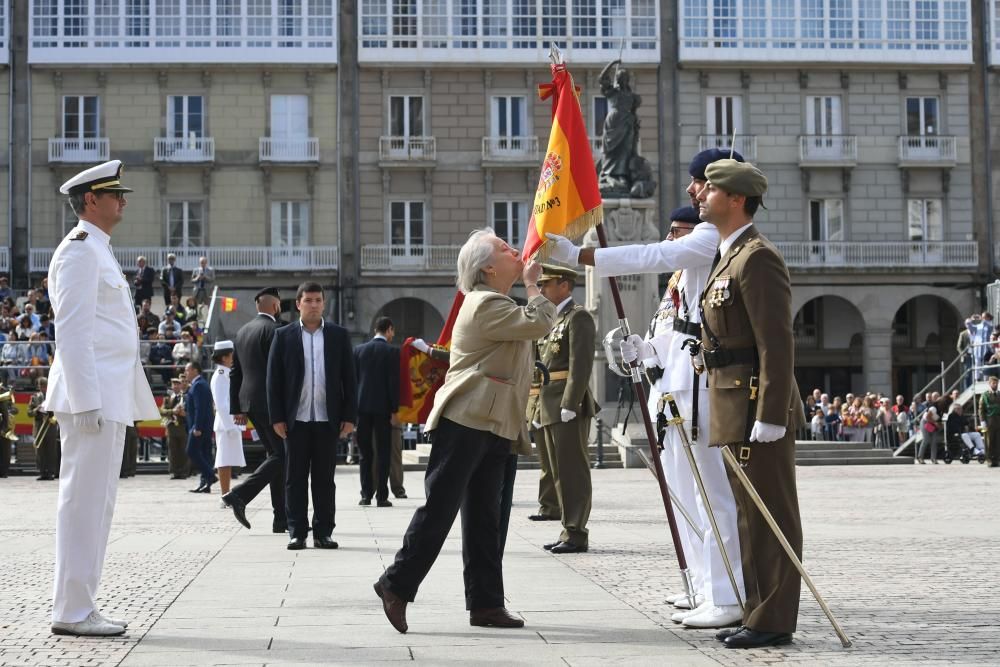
<point x="117" y="195"/>
<point x="675" y="230"/>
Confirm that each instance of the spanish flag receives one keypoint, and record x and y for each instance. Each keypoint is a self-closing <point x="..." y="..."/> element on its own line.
<point x="568" y="200"/>
<point x="421" y="375"/>
<point x="228" y="304"/>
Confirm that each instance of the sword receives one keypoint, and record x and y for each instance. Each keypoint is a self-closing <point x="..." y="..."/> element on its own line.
<point x="734" y="466"/>
<point x="678" y="421"/>
<point x="673" y="497"/>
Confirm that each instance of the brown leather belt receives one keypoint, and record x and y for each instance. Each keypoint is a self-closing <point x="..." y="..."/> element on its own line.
<point x="553" y="375"/>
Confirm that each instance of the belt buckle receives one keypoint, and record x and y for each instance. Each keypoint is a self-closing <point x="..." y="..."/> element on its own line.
<point x="754" y="385"/>
<point x="744" y="455"/>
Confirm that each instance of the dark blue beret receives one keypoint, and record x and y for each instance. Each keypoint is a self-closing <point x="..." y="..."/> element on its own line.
<point x="688" y="214"/>
<point x="707" y="157"/>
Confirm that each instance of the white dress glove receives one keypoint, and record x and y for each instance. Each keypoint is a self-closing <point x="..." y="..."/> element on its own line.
<point x="762" y="432"/>
<point x="422" y="345"/>
<point x="566" y="415"/>
<point x="562" y="249"/>
<point x="634" y="347"/>
<point x="88" y="422"/>
<point x="536" y="425"/>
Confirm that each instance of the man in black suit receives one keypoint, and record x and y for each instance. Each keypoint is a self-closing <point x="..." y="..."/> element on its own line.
<point x="312" y="401"/>
<point x="143" y="281"/>
<point x="377" y="363"/>
<point x="171" y="278"/>
<point x="248" y="398"/>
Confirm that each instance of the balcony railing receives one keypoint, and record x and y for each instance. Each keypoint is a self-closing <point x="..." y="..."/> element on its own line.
<point x="168" y="31"/>
<point x="97" y="149"/>
<point x="407" y="149"/>
<point x="746" y="145"/>
<point x="190" y="149"/>
<point x="828" y="149"/>
<point x="858" y="31"/>
<point x="4" y="259"/>
<point x="296" y="149"/>
<point x="934" y="150"/>
<point x="507" y="31"/>
<point x="510" y="149"/>
<point x="879" y="254"/>
<point x="4" y="31"/>
<point x="222" y="258"/>
<point x="409" y="259"/>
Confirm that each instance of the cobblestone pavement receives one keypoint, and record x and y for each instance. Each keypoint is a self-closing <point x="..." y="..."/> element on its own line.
<point x="907" y="558"/>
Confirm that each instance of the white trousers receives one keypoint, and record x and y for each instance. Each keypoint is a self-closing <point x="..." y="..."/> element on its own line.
<point x="705" y="556"/>
<point x="88" y="484"/>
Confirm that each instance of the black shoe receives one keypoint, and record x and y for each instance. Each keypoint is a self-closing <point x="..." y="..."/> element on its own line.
<point x="384" y="503"/>
<point x="365" y="501"/>
<point x="567" y="548"/>
<point x="542" y="517"/>
<point x="750" y="638"/>
<point x="296" y="543"/>
<point x="400" y="495"/>
<point x="279" y="527"/>
<point x="239" y="508"/>
<point x="551" y="545"/>
<point x="324" y="543"/>
<point x="724" y="633"/>
<point x="202" y="488"/>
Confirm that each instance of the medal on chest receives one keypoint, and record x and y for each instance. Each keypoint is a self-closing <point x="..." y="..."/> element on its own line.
<point x="719" y="293"/>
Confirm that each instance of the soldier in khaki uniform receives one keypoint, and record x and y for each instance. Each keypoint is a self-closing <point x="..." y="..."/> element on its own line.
<point x="7" y="409"/>
<point x="565" y="407"/>
<point x="748" y="350"/>
<point x="46" y="451"/>
<point x="989" y="413"/>
<point x="548" y="499"/>
<point x="172" y="413"/>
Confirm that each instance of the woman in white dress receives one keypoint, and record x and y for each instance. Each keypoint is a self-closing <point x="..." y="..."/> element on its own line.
<point x="228" y="436"/>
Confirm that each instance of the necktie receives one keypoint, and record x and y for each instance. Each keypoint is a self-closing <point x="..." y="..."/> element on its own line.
<point x="716" y="259"/>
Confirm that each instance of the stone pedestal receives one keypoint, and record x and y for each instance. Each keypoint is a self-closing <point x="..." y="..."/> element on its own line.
<point x="626" y="221"/>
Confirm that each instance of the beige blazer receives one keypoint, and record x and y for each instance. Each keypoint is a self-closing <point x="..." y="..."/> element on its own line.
<point x="487" y="384"/>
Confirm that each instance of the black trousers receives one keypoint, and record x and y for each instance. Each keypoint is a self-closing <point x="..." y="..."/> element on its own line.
<point x="507" y="498"/>
<point x="375" y="441"/>
<point x="310" y="455"/>
<point x="465" y="471"/>
<point x="270" y="472"/>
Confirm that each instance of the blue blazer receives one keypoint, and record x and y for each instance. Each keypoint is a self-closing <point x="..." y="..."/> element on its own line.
<point x="199" y="406"/>
<point x="286" y="371"/>
<point x="377" y="363"/>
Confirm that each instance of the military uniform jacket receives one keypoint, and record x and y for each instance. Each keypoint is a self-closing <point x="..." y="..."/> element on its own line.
<point x="487" y="384"/>
<point x="174" y="423"/>
<point x="746" y="304"/>
<point x="568" y="348"/>
<point x="97" y="365"/>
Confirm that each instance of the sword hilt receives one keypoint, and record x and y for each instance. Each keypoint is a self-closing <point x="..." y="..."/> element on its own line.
<point x="675" y="413"/>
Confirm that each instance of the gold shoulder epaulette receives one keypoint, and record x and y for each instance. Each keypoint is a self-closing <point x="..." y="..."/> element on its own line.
<point x="80" y="235"/>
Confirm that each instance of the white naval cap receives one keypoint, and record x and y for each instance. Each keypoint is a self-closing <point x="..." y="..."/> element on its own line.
<point x="222" y="346"/>
<point x="104" y="177"/>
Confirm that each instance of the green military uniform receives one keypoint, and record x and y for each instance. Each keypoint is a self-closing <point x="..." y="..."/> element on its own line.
<point x="548" y="499"/>
<point x="989" y="412"/>
<point x="7" y="408"/>
<point x="749" y="351"/>
<point x="568" y="352"/>
<point x="171" y="410"/>
<point x="47" y="451"/>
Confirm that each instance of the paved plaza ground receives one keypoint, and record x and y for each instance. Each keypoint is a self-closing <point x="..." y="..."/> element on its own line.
<point x="907" y="557"/>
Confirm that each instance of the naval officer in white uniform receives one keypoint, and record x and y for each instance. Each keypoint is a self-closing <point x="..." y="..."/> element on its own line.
<point x="96" y="387"/>
<point x="689" y="251"/>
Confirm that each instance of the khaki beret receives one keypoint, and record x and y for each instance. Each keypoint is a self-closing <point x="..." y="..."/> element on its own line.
<point x="550" y="271"/>
<point x="738" y="178"/>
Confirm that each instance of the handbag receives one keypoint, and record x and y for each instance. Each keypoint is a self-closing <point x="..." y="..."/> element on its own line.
<point x="930" y="427"/>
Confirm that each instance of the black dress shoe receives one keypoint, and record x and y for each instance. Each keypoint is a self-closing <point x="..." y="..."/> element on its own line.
<point x="750" y="638"/>
<point x="393" y="606"/>
<point x="324" y="543"/>
<point x="238" y="506"/>
<point x="542" y="517"/>
<point x="722" y="634"/>
<point x="296" y="543"/>
<point x="202" y="488"/>
<point x="384" y="503"/>
<point x="551" y="545"/>
<point x="567" y="548"/>
<point x="365" y="501"/>
<point x="279" y="527"/>
<point x="401" y="494"/>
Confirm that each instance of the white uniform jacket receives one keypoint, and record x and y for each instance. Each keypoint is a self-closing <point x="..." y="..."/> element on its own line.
<point x="97" y="365"/>
<point x="220" y="394"/>
<point x="692" y="253"/>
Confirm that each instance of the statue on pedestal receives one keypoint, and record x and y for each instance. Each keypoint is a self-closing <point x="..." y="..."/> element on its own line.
<point x="621" y="171"/>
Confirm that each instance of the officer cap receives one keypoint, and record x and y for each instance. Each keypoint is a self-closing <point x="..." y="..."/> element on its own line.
<point x="738" y="178"/>
<point x="104" y="177"/>
<point x="688" y="214"/>
<point x="222" y="346"/>
<point x="700" y="161"/>
<point x="267" y="291"/>
<point x="550" y="271"/>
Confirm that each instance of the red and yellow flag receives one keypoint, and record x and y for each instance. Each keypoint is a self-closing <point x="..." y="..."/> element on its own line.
<point x="568" y="200"/>
<point x="421" y="375"/>
<point x="228" y="304"/>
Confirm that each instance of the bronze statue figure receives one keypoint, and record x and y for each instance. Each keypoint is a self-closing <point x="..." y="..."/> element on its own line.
<point x="621" y="170"/>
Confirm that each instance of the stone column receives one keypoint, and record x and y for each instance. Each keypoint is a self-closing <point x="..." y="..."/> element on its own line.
<point x="878" y="359"/>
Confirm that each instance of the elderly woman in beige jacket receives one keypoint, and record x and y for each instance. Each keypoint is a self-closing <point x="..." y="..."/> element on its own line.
<point x="478" y="413"/>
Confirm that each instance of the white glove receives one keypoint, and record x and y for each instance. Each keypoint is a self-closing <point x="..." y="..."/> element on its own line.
<point x="422" y="345"/>
<point x="567" y="415"/>
<point x="536" y="425"/>
<point x="88" y="422"/>
<point x="762" y="432"/>
<point x="634" y="347"/>
<point x="563" y="250"/>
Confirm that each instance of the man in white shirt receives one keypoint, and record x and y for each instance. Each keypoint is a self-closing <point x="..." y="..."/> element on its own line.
<point x="96" y="387"/>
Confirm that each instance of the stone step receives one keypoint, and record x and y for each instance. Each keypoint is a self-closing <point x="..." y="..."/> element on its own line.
<point x="822" y="445"/>
<point x="851" y="460"/>
<point x="834" y="453"/>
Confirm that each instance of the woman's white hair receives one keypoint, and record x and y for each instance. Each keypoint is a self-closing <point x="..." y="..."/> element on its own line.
<point x="473" y="256"/>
